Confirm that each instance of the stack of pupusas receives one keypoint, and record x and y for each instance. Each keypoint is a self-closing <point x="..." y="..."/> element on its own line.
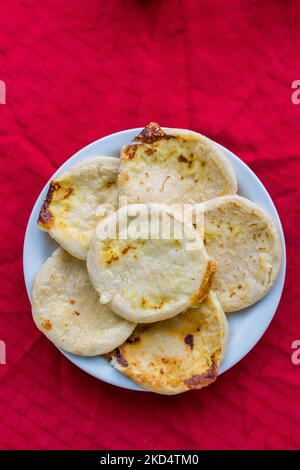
<point x="154" y="304"/>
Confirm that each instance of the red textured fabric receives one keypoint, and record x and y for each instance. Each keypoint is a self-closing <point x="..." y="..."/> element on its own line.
<point x="76" y="71"/>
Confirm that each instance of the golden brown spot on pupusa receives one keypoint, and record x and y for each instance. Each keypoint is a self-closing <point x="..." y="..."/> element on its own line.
<point x="198" y="380"/>
<point x="127" y="248"/>
<point x="72" y="301"/>
<point x="165" y="180"/>
<point x="145" y="304"/>
<point x="47" y="325"/>
<point x="112" y="258"/>
<point x="182" y="159"/>
<point x="150" y="134"/>
<point x="108" y="254"/>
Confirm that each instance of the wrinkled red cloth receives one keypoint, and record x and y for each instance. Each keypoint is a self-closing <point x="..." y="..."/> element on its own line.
<point x="76" y="71"/>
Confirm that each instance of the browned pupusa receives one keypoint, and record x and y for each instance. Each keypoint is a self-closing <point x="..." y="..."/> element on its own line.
<point x="69" y="212"/>
<point x="149" y="279"/>
<point x="245" y="243"/>
<point x="174" y="166"/>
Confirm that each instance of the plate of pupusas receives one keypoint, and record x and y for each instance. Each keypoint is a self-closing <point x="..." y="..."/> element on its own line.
<point x="154" y="259"/>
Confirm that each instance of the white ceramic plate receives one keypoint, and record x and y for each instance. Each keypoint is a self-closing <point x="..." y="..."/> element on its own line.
<point x="245" y="327"/>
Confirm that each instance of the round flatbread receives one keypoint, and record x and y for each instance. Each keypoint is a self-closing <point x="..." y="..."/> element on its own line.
<point x="143" y="278"/>
<point x="69" y="212"/>
<point x="174" y="166"/>
<point x="245" y="243"/>
<point x="176" y="355"/>
<point x="66" y="308"/>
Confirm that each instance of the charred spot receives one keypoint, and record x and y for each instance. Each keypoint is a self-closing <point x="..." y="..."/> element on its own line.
<point x="112" y="258"/>
<point x="68" y="193"/>
<point x="189" y="340"/>
<point x="110" y="183"/>
<point x="47" y="325"/>
<point x="76" y="313"/>
<point x="199" y="380"/>
<point x="144" y="327"/>
<point x="203" y="164"/>
<point x="72" y="301"/>
<point x="109" y="356"/>
<point x="240" y="286"/>
<point x="150" y="151"/>
<point x="120" y="359"/>
<point x="165" y="180"/>
<point x="161" y="371"/>
<point x="206" y="284"/>
<point x="45" y="218"/>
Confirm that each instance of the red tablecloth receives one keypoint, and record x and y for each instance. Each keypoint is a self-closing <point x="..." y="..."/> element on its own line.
<point x="76" y="71"/>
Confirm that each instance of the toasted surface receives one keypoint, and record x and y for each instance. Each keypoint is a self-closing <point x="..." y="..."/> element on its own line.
<point x="175" y="166"/>
<point x="69" y="210"/>
<point x="245" y="243"/>
<point x="147" y="280"/>
<point x="179" y="354"/>
<point x="66" y="308"/>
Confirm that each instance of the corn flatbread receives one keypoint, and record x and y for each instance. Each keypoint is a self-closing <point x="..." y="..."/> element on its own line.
<point x="68" y="213"/>
<point x="66" y="308"/>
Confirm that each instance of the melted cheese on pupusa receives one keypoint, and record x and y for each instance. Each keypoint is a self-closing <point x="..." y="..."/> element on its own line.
<point x="174" y="167"/>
